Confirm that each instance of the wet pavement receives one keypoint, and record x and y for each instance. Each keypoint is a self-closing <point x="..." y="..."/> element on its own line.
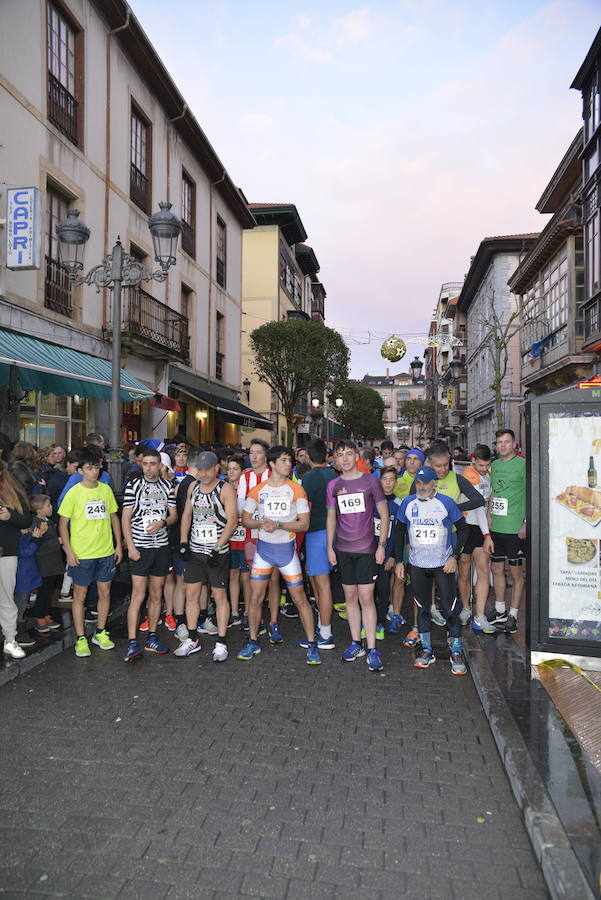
<point x="175" y="779"/>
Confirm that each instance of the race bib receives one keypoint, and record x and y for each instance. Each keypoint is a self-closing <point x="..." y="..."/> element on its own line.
<point x="276" y="507"/>
<point x="96" y="509"/>
<point x="351" y="503"/>
<point x="239" y="534"/>
<point x="150" y="519"/>
<point x="378" y="527"/>
<point x="499" y="506"/>
<point x="205" y="533"/>
<point x="426" y="535"/>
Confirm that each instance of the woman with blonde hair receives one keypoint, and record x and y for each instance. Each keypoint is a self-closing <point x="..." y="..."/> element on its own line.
<point x="25" y="467"/>
<point x="14" y="516"/>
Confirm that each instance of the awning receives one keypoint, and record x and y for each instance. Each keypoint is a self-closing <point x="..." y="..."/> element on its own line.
<point x="52" y="369"/>
<point x="228" y="410"/>
<point x="160" y="401"/>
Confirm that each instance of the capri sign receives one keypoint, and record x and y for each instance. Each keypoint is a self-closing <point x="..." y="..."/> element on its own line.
<point x="23" y="207"/>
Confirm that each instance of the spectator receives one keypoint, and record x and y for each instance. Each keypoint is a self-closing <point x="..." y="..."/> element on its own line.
<point x="14" y="516"/>
<point x="25" y="467"/>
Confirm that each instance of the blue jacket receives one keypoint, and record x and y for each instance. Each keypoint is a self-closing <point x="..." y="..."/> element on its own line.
<point x="28" y="574"/>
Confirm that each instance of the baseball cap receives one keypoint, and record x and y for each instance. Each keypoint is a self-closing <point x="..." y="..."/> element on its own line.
<point x="425" y="474"/>
<point x="166" y="460"/>
<point x="206" y="460"/>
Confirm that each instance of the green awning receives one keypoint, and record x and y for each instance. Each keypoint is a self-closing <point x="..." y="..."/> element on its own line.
<point x="52" y="369"/>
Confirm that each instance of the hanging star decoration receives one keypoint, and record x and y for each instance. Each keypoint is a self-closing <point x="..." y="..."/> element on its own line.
<point x="393" y="349"/>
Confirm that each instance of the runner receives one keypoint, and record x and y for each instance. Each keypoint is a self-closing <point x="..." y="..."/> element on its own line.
<point x="478" y="544"/>
<point x="258" y="473"/>
<point x="210" y="516"/>
<point x="508" y="528"/>
<point x="413" y="460"/>
<point x="318" y="566"/>
<point x="425" y="521"/>
<point x="90" y="509"/>
<point x="148" y="511"/>
<point x="239" y="571"/>
<point x="386" y="579"/>
<point x="282" y="510"/>
<point x="179" y="564"/>
<point x="351" y="501"/>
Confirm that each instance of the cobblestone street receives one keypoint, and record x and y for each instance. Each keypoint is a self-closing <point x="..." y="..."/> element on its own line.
<point x="182" y="778"/>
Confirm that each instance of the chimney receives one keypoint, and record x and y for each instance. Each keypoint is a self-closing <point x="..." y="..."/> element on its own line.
<point x="387" y="372"/>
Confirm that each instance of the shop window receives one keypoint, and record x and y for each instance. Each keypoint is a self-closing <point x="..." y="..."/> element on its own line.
<point x="50" y="419"/>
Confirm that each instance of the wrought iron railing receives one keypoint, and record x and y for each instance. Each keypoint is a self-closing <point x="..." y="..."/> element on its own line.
<point x="138" y="187"/>
<point x="62" y="108"/>
<point x="144" y="316"/>
<point x="219" y="358"/>
<point x="57" y="288"/>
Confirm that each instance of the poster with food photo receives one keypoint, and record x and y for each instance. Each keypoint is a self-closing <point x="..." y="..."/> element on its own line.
<point x="575" y="526"/>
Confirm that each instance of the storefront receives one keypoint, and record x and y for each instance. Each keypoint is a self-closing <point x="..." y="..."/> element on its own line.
<point x="53" y="391"/>
<point x="216" y="418"/>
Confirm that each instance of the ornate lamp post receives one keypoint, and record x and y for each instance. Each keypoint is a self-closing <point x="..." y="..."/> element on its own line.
<point x="117" y="270"/>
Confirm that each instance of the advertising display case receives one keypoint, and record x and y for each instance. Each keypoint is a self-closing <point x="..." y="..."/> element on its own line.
<point x="564" y="521"/>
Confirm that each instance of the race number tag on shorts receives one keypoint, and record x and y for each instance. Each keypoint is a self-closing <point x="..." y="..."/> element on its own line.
<point x="351" y="503"/>
<point x="426" y="534"/>
<point x="499" y="506"/>
<point x="276" y="507"/>
<point x="239" y="533"/>
<point x="96" y="509"/>
<point x="378" y="527"/>
<point x="205" y="533"/>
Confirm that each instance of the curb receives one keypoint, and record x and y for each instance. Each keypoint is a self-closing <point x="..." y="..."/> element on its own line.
<point x="14" y="668"/>
<point x="559" y="864"/>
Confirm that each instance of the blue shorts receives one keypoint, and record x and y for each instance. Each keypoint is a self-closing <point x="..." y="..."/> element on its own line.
<point x="90" y="570"/>
<point x="316" y="551"/>
<point x="177" y="562"/>
<point x="238" y="560"/>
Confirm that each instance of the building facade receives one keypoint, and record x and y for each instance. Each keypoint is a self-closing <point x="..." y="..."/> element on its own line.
<point x="279" y="281"/>
<point x="588" y="82"/>
<point x="550" y="286"/>
<point x="437" y="357"/>
<point x="394" y="391"/>
<point x="94" y="121"/>
<point x="486" y="299"/>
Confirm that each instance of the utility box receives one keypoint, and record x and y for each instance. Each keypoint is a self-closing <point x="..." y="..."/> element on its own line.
<point x="564" y="522"/>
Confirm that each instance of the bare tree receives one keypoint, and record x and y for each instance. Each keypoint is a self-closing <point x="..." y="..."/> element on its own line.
<point x="500" y="327"/>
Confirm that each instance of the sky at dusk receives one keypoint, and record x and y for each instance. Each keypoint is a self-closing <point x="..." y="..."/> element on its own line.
<point x="403" y="131"/>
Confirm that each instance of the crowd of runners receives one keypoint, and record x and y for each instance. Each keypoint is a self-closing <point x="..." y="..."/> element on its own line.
<point x="390" y="539"/>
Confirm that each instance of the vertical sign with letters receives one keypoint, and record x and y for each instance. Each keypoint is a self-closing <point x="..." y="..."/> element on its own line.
<point x="23" y="220"/>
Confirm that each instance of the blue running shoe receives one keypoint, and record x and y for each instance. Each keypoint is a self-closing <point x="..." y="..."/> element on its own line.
<point x="396" y="623"/>
<point x="322" y="642"/>
<point x="275" y="635"/>
<point x="373" y="661"/>
<point x="154" y="645"/>
<point x="133" y="651"/>
<point x="426" y="659"/>
<point x="313" y="657"/>
<point x="353" y="652"/>
<point x="379" y="632"/>
<point x="250" y="649"/>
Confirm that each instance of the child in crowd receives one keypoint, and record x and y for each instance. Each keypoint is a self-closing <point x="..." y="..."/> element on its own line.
<point x="181" y="462"/>
<point x="239" y="570"/>
<point x="49" y="558"/>
<point x="28" y="577"/>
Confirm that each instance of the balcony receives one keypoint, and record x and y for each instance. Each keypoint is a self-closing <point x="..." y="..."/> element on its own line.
<point x="219" y="357"/>
<point x="317" y="309"/>
<point x="57" y="289"/>
<point x="149" y="323"/>
<point x="138" y="187"/>
<point x="592" y="325"/>
<point x="188" y="239"/>
<point x="62" y="108"/>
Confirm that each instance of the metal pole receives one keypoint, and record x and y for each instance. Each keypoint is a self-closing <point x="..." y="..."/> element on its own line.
<point x="435" y="384"/>
<point x="115" y="466"/>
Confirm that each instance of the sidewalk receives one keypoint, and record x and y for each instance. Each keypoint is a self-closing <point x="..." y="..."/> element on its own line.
<point x="179" y="779"/>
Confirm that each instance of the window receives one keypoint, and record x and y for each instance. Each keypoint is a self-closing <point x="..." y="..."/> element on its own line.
<point x="188" y="215"/>
<point x="555" y="290"/>
<point x="219" y="346"/>
<point x="48" y="419"/>
<point x="593" y="254"/>
<point x="57" y="287"/>
<point x="140" y="183"/>
<point x="63" y="56"/>
<point x="185" y="301"/>
<point x="221" y="252"/>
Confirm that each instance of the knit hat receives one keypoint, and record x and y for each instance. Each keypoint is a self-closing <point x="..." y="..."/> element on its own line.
<point x="416" y="452"/>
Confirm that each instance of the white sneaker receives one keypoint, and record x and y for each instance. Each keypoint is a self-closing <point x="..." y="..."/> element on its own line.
<point x="220" y="652"/>
<point x="181" y="632"/>
<point x="187" y="648"/>
<point x="437" y="617"/>
<point x="11" y="648"/>
<point x="464" y="616"/>
<point x="208" y="627"/>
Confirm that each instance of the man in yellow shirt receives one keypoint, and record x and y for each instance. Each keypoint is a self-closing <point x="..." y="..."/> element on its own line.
<point x="87" y="526"/>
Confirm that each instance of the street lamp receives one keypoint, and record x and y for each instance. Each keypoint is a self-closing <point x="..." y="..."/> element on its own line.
<point x="315" y="402"/>
<point x="117" y="270"/>
<point x="416" y="366"/>
<point x="338" y="401"/>
<point x="246" y="386"/>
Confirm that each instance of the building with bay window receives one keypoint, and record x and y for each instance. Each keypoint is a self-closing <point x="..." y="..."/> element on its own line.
<point x="93" y="120"/>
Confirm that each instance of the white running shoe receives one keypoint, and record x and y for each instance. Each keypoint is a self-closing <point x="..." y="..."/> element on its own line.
<point x="465" y="615"/>
<point x="11" y="648"/>
<point x="437" y="617"/>
<point x="187" y="648"/>
<point x="220" y="652"/>
<point x="208" y="627"/>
